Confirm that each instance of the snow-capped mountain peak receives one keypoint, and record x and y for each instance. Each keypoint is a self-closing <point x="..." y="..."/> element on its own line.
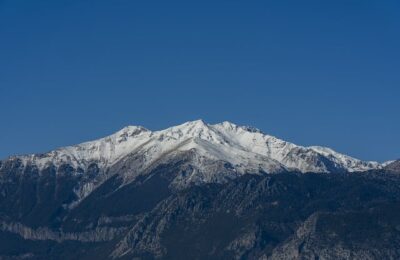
<point x="247" y="149"/>
<point x="191" y="129"/>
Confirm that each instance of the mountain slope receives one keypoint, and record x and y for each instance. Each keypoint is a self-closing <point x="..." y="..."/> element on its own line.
<point x="282" y="216"/>
<point x="393" y="166"/>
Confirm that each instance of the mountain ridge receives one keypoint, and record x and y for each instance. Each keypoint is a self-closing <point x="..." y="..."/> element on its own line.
<point x="223" y="141"/>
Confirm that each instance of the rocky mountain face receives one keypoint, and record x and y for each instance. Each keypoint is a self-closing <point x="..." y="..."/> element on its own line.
<point x="393" y="166"/>
<point x="197" y="191"/>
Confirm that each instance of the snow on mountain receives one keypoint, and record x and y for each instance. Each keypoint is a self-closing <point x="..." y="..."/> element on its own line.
<point x="246" y="149"/>
<point x="384" y="164"/>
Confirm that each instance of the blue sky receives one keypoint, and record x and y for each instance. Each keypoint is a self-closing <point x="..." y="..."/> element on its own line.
<point x="310" y="72"/>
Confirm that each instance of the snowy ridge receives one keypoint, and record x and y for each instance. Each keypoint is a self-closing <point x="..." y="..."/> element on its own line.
<point x="246" y="149"/>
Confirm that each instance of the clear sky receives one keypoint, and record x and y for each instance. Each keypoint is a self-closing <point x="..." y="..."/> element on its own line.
<point x="310" y="72"/>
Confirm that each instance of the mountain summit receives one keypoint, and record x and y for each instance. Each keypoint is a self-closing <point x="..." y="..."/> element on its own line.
<point x="244" y="149"/>
<point x="212" y="153"/>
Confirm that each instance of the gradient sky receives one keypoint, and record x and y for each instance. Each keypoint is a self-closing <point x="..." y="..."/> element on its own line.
<point x="310" y="72"/>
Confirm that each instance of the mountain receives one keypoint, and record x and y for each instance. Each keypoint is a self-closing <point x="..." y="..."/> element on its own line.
<point x="246" y="149"/>
<point x="197" y="190"/>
